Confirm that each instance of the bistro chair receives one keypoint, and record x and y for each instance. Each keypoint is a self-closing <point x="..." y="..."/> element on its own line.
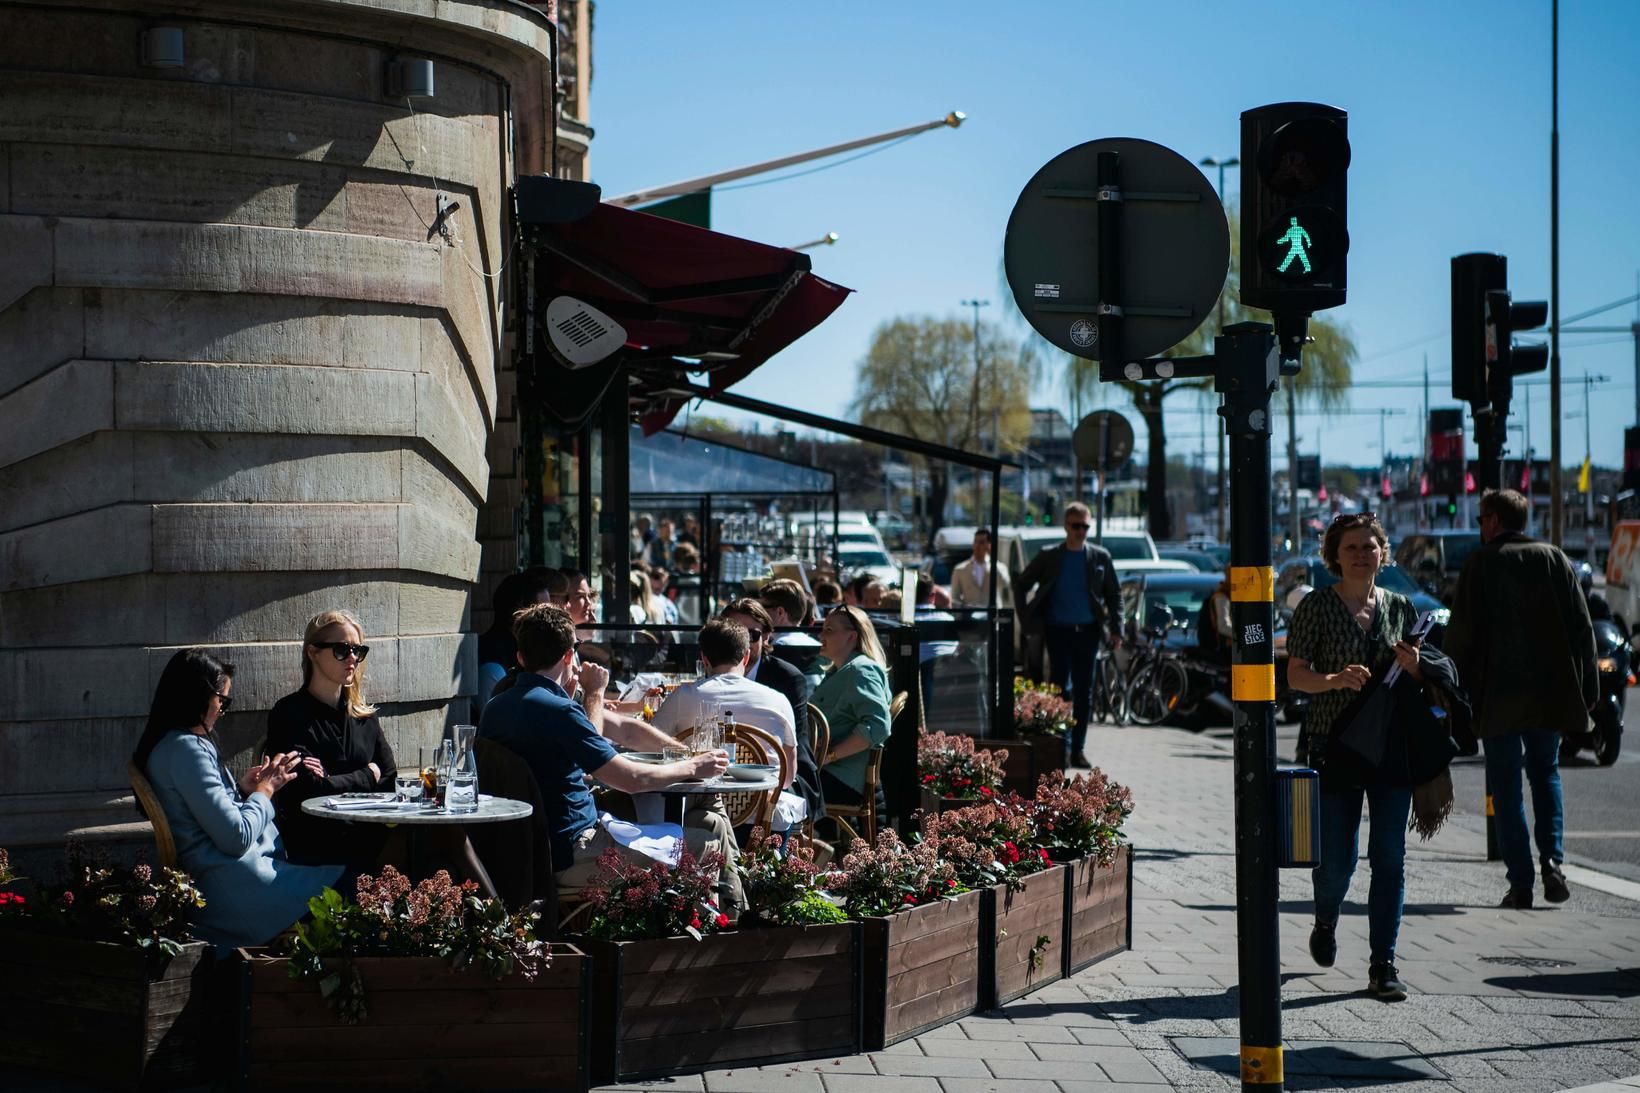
<point x="819" y="745"/>
<point x="164" y="841"/>
<point x="865" y="813"/>
<point x="518" y="854"/>
<point x="751" y="745"/>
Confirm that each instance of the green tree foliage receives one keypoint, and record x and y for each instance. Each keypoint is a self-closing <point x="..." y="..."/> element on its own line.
<point x="922" y="378"/>
<point x="1328" y="367"/>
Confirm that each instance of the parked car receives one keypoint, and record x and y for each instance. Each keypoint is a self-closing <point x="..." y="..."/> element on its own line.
<point x="895" y="529"/>
<point x="1312" y="571"/>
<point x="1433" y="559"/>
<point x="856" y="558"/>
<point x="1018" y="545"/>
<point x="1200" y="560"/>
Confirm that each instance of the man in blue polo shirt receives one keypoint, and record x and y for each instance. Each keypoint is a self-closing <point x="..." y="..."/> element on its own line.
<point x="1077" y="597"/>
<point x="539" y="719"/>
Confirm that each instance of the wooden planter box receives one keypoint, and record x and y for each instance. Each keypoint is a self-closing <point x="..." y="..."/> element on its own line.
<point x="935" y="805"/>
<point x="743" y="998"/>
<point x="1023" y="937"/>
<point x="110" y="1013"/>
<point x="1028" y="758"/>
<point x="427" y="1027"/>
<point x="1098" y="910"/>
<point x="921" y="969"/>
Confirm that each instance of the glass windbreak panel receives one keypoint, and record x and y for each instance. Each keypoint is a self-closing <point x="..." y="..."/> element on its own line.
<point x="641" y="657"/>
<point x="953" y="663"/>
<point x="560" y="500"/>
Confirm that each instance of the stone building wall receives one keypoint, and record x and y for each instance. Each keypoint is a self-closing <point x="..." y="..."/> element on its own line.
<point x="243" y="377"/>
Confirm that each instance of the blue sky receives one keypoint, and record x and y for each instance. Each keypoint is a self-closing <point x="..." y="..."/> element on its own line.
<point x="1449" y="122"/>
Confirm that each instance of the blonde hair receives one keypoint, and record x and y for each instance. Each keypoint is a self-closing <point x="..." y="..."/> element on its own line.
<point x="353" y="692"/>
<point x="867" y="633"/>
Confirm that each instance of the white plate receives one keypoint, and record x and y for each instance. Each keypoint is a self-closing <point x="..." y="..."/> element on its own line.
<point x="751" y="772"/>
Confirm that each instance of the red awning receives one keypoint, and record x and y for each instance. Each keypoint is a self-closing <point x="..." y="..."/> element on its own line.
<point x="691" y="300"/>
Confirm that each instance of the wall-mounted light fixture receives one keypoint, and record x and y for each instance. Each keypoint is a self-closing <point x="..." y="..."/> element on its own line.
<point x="410" y="78"/>
<point x="162" y="47"/>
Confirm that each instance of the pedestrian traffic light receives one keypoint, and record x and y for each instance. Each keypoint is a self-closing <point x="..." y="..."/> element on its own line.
<point x="1294" y="227"/>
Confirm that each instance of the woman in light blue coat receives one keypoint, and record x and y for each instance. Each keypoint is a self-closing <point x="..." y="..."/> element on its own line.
<point x="225" y="835"/>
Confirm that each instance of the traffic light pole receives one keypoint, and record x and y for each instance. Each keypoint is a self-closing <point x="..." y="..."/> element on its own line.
<point x="1248" y="370"/>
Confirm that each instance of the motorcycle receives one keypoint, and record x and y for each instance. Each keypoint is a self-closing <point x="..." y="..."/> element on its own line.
<point x="1615" y="659"/>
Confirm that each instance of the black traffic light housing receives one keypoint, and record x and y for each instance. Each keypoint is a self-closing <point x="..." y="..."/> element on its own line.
<point x="1294" y="209"/>
<point x="1485" y="358"/>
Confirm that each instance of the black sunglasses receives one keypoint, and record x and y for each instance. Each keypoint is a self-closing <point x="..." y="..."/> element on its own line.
<point x="227" y="700"/>
<point x="341" y="650"/>
<point x="1079" y="527"/>
<point x="756" y="634"/>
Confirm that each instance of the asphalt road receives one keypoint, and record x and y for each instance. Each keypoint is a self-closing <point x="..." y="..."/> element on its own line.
<point x="1602" y="803"/>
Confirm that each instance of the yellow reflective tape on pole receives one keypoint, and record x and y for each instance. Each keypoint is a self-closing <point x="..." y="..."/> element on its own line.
<point x="1489" y="811"/>
<point x="1252" y="584"/>
<point x="1261" y="1065"/>
<point x="1252" y="683"/>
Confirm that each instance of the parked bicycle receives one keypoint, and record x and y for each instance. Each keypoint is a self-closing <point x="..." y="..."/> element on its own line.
<point x="1157" y="677"/>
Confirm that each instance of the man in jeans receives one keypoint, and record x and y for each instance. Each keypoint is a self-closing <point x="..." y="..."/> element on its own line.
<point x="1524" y="647"/>
<point x="1076" y="599"/>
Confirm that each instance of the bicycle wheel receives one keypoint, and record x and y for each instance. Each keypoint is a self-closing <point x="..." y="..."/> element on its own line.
<point x="1156" y="691"/>
<point x="1110" y="693"/>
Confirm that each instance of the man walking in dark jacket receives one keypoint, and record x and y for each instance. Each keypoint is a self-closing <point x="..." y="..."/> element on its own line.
<point x="1524" y="647"/>
<point x="1076" y="598"/>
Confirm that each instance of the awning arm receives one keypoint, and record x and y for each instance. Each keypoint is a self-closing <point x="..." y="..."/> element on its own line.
<point x="852" y="429"/>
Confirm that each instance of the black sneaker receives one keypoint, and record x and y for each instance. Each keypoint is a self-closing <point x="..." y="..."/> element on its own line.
<point x="1518" y="899"/>
<point x="1080" y="762"/>
<point x="1324" y="944"/>
<point x="1384" y="982"/>
<point x="1554" y="883"/>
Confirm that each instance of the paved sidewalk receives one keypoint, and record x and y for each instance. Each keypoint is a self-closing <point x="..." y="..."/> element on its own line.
<point x="1501" y="1001"/>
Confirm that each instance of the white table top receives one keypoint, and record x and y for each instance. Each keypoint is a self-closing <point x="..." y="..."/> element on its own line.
<point x="723" y="784"/>
<point x="490" y="810"/>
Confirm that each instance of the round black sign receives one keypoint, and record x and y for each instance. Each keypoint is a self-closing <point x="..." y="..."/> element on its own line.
<point x="1103" y="439"/>
<point x="1175" y="246"/>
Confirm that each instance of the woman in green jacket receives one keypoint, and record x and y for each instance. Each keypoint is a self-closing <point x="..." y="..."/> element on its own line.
<point x="854" y="696"/>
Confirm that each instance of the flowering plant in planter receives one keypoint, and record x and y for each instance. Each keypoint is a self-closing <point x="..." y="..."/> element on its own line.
<point x="139" y="905"/>
<point x="1083" y="814"/>
<point x="633" y="902"/>
<point x="1040" y="709"/>
<point x="993" y="843"/>
<point x="950" y="766"/>
<point x="781" y="889"/>
<point x="391" y="917"/>
<point x="890" y="876"/>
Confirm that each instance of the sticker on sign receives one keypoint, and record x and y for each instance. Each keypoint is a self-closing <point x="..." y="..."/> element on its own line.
<point x="1084" y="333"/>
<point x="1046" y="292"/>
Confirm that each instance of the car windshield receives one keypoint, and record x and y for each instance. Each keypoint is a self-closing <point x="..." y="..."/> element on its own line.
<point x="856" y="535"/>
<point x="854" y="558"/>
<point x="1459" y="547"/>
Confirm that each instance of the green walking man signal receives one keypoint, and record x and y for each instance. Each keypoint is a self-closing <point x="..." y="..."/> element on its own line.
<point x="1299" y="240"/>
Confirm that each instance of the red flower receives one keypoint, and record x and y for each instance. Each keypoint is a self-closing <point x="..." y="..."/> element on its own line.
<point x="11" y="898"/>
<point x="695" y="921"/>
<point x="927" y="778"/>
<point x="722" y="921"/>
<point x="985" y="791"/>
<point x="1043" y="854"/>
<point x="1012" y="852"/>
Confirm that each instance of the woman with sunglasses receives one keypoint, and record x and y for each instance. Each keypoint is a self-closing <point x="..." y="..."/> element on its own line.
<point x="225" y="833"/>
<point x="329" y="723"/>
<point x="854" y="696"/>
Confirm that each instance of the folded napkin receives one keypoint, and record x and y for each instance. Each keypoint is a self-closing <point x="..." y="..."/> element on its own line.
<point x="662" y="842"/>
<point x="337" y="804"/>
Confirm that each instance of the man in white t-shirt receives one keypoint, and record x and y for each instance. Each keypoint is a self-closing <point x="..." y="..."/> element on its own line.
<point x="725" y="649"/>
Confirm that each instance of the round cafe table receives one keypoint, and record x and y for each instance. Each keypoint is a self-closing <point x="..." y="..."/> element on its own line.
<point x="678" y="793"/>
<point x="491" y="810"/>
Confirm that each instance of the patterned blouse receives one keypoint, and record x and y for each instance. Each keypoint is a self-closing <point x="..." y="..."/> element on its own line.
<point x="1325" y="636"/>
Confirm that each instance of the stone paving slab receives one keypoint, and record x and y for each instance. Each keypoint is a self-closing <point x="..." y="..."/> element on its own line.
<point x="1480" y="1027"/>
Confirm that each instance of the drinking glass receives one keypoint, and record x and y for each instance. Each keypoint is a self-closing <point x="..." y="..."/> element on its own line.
<point x="461" y="793"/>
<point x="435" y="767"/>
<point x="407" y="786"/>
<point x="674" y="755"/>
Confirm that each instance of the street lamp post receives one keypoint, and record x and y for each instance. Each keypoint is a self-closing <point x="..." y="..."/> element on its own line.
<point x="996" y="411"/>
<point x="1221" y="164"/>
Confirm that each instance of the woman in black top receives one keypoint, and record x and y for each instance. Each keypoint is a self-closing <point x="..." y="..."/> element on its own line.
<point x="343" y="748"/>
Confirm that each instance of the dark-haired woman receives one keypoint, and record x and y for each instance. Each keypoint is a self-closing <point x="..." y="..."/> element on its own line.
<point x="1340" y="639"/>
<point x="225" y="833"/>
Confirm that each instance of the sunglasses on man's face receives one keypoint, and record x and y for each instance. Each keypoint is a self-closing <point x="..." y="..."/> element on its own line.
<point x="341" y="650"/>
<point x="1079" y="527"/>
<point x="227" y="700"/>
